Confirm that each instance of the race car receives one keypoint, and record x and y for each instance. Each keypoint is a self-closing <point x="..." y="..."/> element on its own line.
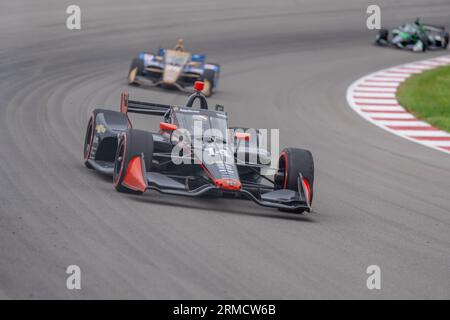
<point x="416" y="36"/>
<point x="174" y="68"/>
<point x="213" y="162"/>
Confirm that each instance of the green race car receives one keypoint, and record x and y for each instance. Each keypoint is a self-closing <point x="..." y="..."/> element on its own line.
<point x="417" y="37"/>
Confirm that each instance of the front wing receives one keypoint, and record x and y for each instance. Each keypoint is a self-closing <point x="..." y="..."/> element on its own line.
<point x="260" y="194"/>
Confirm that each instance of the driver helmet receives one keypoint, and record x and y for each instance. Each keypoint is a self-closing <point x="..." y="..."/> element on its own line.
<point x="180" y="45"/>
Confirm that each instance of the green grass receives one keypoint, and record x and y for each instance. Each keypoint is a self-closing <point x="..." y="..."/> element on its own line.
<point x="427" y="96"/>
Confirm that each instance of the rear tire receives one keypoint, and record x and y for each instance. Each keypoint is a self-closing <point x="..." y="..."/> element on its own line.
<point x="293" y="161"/>
<point x="131" y="144"/>
<point x="88" y="139"/>
<point x="136" y="68"/>
<point x="447" y="39"/>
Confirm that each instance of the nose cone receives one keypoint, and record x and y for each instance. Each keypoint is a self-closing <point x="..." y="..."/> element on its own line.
<point x="171" y="74"/>
<point x="229" y="184"/>
<point x="218" y="161"/>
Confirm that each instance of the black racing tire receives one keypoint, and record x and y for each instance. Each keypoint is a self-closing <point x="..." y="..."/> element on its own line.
<point x="88" y="139"/>
<point x="383" y="34"/>
<point x="291" y="162"/>
<point x="424" y="40"/>
<point x="131" y="144"/>
<point x="136" y="68"/>
<point x="208" y="79"/>
<point x="116" y="119"/>
<point x="447" y="39"/>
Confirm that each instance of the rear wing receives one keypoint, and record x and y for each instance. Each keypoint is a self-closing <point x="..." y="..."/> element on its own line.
<point x="433" y="27"/>
<point x="150" y="108"/>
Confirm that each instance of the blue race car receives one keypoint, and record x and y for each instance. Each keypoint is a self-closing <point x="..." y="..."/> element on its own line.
<point x="174" y="68"/>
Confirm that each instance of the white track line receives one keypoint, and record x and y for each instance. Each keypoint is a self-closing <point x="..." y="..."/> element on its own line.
<point x="373" y="97"/>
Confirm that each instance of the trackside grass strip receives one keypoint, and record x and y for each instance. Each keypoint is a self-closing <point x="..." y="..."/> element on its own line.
<point x="427" y="96"/>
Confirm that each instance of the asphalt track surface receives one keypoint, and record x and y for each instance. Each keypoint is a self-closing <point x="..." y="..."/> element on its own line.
<point x="379" y="199"/>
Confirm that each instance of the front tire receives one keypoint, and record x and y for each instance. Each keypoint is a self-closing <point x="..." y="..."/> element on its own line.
<point x="382" y="37"/>
<point x="136" y="68"/>
<point x="424" y="41"/>
<point x="293" y="161"/>
<point x="131" y="144"/>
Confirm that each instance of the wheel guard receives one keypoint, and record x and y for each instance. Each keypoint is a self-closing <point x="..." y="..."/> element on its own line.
<point x="135" y="178"/>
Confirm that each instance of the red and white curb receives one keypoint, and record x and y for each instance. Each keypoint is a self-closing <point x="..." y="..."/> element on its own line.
<point x="374" y="98"/>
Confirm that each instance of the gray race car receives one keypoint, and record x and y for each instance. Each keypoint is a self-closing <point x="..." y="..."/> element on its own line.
<point x="216" y="162"/>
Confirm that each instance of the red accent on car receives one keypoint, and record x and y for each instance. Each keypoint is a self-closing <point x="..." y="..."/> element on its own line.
<point x="164" y="126"/>
<point x="198" y="86"/>
<point x="242" y="136"/>
<point x="308" y="190"/>
<point x="134" y="177"/>
<point x="124" y="102"/>
<point x="228" y="184"/>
